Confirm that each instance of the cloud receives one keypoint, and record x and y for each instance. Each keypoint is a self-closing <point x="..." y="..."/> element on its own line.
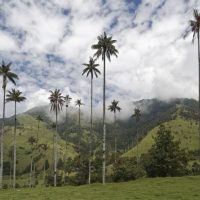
<point x="154" y="60"/>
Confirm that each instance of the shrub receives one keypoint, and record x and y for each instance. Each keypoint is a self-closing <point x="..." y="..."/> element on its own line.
<point x="125" y="169"/>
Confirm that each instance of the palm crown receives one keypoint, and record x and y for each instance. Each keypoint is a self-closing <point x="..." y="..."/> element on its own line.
<point x="7" y="74"/>
<point x="195" y="24"/>
<point x="56" y="100"/>
<point x="15" y="95"/>
<point x="39" y="118"/>
<point x="114" y="106"/>
<point x="67" y="99"/>
<point x="105" y="47"/>
<point x="91" y="68"/>
<point x="137" y="114"/>
<point x="78" y="102"/>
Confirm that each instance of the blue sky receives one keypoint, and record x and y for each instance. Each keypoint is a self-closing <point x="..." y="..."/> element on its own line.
<point x="47" y="42"/>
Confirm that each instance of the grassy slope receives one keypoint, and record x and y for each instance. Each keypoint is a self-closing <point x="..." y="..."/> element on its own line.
<point x="29" y="127"/>
<point x="184" y="130"/>
<point x="184" y="188"/>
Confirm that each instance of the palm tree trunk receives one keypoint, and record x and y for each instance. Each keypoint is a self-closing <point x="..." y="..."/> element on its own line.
<point x="104" y="118"/>
<point x="137" y="145"/>
<point x="115" y="137"/>
<point x="90" y="153"/>
<point x="79" y="125"/>
<point x="199" y="88"/>
<point x="14" y="162"/>
<point x="55" y="150"/>
<point x="31" y="169"/>
<point x="44" y="170"/>
<point x="38" y="131"/>
<point x="2" y="132"/>
<point x="10" y="175"/>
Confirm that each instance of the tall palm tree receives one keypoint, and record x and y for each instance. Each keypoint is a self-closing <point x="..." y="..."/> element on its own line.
<point x="32" y="141"/>
<point x="104" y="48"/>
<point x="137" y="115"/>
<point x="114" y="108"/>
<point x="67" y="99"/>
<point x="91" y="69"/>
<point x="79" y="104"/>
<point x="39" y="119"/>
<point x="8" y="75"/>
<point x="57" y="102"/>
<point x="195" y="27"/>
<point x="44" y="149"/>
<point x="16" y="97"/>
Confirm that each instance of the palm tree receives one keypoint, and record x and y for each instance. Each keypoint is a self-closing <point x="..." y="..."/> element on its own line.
<point x="137" y="115"/>
<point x="44" y="149"/>
<point x="91" y="69"/>
<point x="104" y="48"/>
<point x="32" y="141"/>
<point x="114" y="108"/>
<point x="195" y="27"/>
<point x="7" y="76"/>
<point x="67" y="99"/>
<point x="79" y="104"/>
<point x="39" y="119"/>
<point x="15" y="96"/>
<point x="56" y="101"/>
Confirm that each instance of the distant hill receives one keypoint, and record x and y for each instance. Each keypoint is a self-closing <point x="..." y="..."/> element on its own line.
<point x="179" y="115"/>
<point x="28" y="126"/>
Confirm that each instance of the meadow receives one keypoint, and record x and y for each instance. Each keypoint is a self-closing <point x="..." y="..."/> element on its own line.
<point x="183" y="188"/>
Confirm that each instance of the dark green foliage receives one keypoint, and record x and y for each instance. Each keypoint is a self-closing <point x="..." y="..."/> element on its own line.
<point x="50" y="179"/>
<point x="195" y="168"/>
<point x="165" y="158"/>
<point x="81" y="166"/>
<point x="125" y="169"/>
<point x="60" y="164"/>
<point x="6" y="167"/>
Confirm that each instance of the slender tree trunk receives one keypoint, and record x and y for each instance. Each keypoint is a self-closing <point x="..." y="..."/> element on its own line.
<point x="14" y="162"/>
<point x="137" y="144"/>
<point x="55" y="150"/>
<point x="90" y="142"/>
<point x="10" y="175"/>
<point x="31" y="170"/>
<point x="115" y="137"/>
<point x="79" y="125"/>
<point x="104" y="120"/>
<point x="65" y="158"/>
<point x="2" y="132"/>
<point x="199" y="88"/>
<point x="44" y="170"/>
<point x="38" y="131"/>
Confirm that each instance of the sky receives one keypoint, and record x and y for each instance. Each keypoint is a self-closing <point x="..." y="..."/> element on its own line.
<point x="48" y="41"/>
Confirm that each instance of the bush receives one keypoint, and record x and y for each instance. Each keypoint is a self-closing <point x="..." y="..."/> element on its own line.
<point x="195" y="168"/>
<point x="125" y="169"/>
<point x="5" y="186"/>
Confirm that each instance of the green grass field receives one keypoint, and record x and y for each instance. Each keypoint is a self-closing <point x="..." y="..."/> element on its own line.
<point x="184" y="130"/>
<point x="184" y="188"/>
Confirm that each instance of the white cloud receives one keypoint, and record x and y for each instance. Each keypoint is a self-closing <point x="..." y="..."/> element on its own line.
<point x="154" y="60"/>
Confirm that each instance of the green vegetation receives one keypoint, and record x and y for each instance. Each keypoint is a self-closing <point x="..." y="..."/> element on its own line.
<point x="182" y="129"/>
<point x="28" y="126"/>
<point x="184" y="188"/>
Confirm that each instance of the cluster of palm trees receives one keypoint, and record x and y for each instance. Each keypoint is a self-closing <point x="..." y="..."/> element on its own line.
<point x="105" y="49"/>
<point x="15" y="96"/>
